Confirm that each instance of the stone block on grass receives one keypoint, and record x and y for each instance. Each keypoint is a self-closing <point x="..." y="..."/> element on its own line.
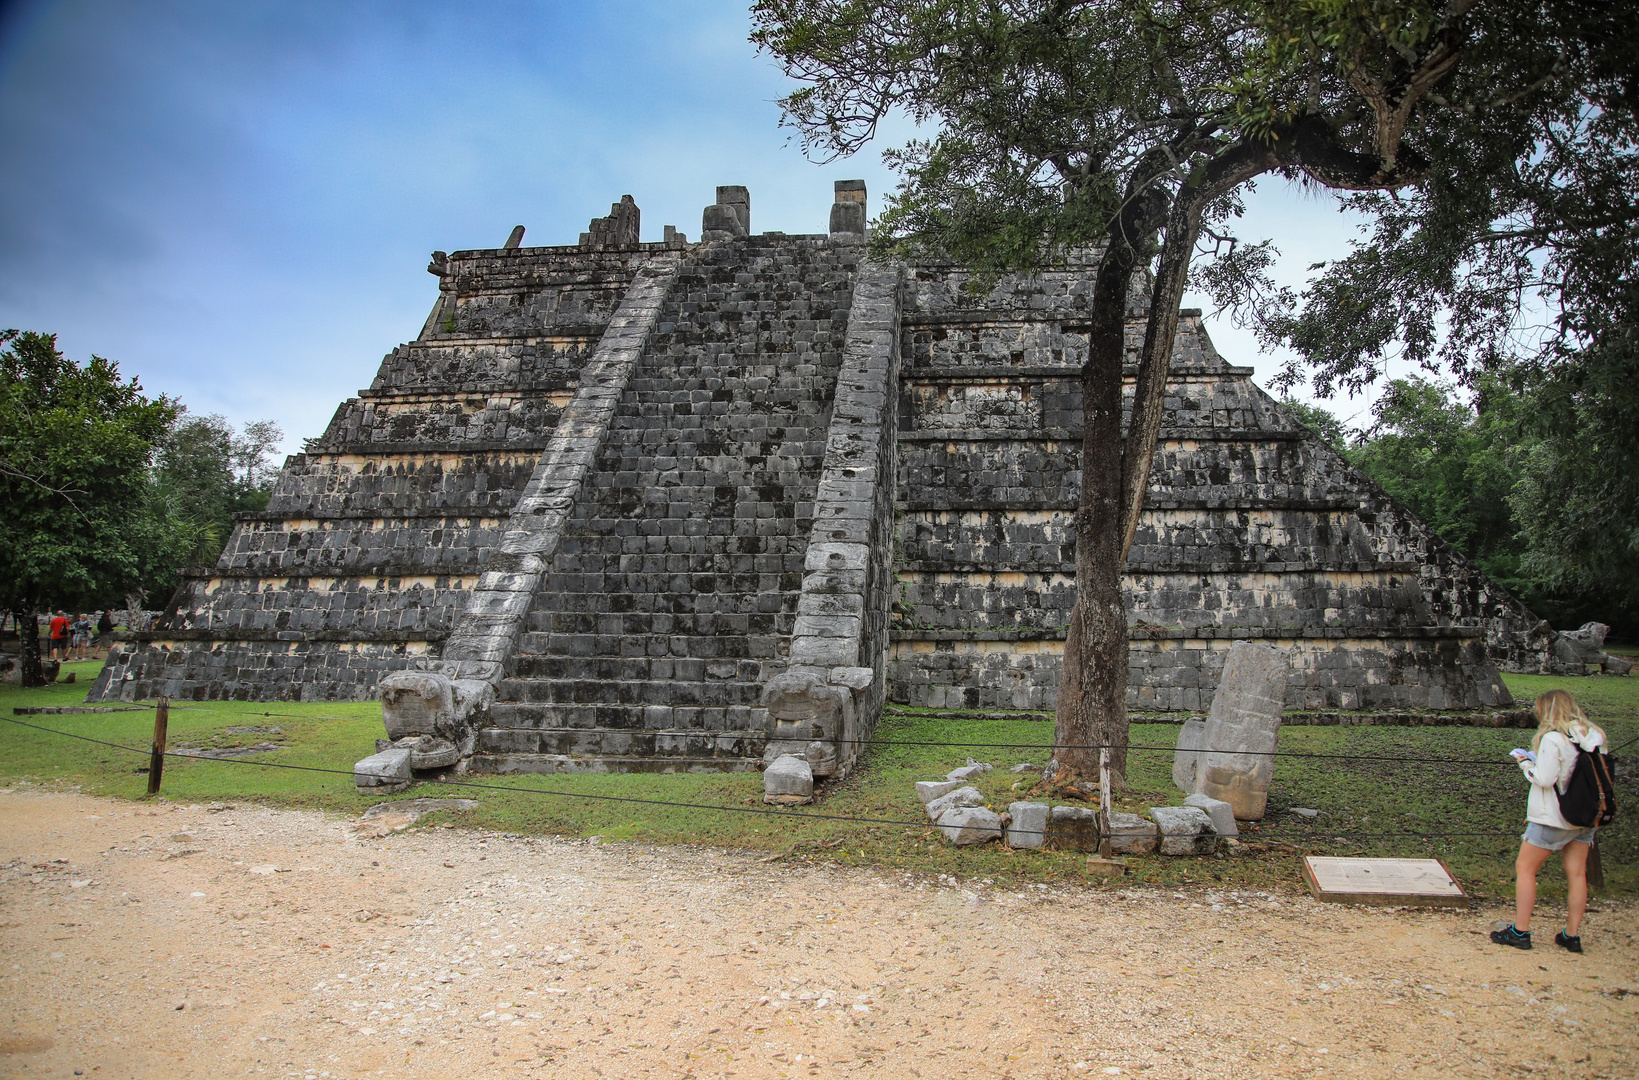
<point x="970" y="825"/>
<point x="1221" y="813"/>
<point x="929" y="790"/>
<point x="1072" y="828"/>
<point x="789" y="779"/>
<point x="1133" y="835"/>
<point x="962" y="796"/>
<point x="1185" y="830"/>
<point x="383" y="773"/>
<point x="1028" y="826"/>
<point x="968" y="771"/>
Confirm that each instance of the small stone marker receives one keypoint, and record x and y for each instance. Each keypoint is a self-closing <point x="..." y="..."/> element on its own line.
<point x="962" y="796"/>
<point x="1385" y="882"/>
<point x="970" y="825"/>
<point x="1133" y="835"/>
<point x="1099" y="866"/>
<point x="1028" y="824"/>
<point x="1221" y="813"/>
<point x="1242" y="729"/>
<point x="1185" y="830"/>
<point x="929" y="790"/>
<point x="383" y="773"/>
<point x="788" y="780"/>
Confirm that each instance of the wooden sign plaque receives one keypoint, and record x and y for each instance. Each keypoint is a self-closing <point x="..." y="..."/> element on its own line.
<point x="1387" y="882"/>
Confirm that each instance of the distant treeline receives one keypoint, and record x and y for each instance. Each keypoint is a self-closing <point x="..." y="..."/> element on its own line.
<point x="1527" y="492"/>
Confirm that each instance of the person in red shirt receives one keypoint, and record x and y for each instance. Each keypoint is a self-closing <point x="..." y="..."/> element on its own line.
<point x="59" y="636"/>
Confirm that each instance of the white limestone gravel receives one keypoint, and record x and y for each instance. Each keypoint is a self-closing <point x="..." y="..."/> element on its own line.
<point x="178" y="942"/>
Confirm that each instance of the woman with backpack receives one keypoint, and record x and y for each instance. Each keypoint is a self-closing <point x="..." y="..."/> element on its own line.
<point x="1562" y="730"/>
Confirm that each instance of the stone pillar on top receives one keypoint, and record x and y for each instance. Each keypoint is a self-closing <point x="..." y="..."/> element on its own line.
<point x="848" y="212"/>
<point x="729" y="216"/>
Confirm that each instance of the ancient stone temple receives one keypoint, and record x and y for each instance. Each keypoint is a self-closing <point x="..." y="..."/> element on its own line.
<point x="672" y="505"/>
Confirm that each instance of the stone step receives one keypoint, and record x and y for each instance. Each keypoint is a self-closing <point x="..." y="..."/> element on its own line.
<point x="720" y="646"/>
<point x="716" y="693"/>
<point x="581" y="742"/>
<point x="501" y="764"/>
<point x="533" y="665"/>
<point x="660" y="624"/>
<point x="705" y="719"/>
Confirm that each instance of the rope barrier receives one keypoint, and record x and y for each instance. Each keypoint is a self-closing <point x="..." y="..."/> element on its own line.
<point x="1254" y="836"/>
<point x="1405" y="759"/>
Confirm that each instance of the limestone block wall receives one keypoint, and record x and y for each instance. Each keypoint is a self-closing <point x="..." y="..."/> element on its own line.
<point x="376" y="534"/>
<point x="836" y="682"/>
<point x="1253" y="529"/>
<point x="672" y="595"/>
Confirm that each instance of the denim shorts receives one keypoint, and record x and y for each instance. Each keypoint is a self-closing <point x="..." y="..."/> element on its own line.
<point x="1546" y="836"/>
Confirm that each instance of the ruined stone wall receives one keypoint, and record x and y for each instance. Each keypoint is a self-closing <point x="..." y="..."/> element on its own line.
<point x="1253" y="529"/>
<point x="672" y="595"/>
<point x="676" y="586"/>
<point x="376" y="533"/>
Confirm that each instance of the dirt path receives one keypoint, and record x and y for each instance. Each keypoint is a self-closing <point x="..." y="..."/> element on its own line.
<point x="180" y="942"/>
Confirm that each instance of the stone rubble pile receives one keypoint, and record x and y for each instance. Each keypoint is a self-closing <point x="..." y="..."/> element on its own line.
<point x="1586" y="645"/>
<point x="959" y="811"/>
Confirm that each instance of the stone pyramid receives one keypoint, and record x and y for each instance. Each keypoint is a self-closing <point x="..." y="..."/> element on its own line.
<point x="663" y="506"/>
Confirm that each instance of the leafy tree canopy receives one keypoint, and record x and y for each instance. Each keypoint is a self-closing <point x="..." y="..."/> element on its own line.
<point x="1128" y="126"/>
<point x="75" y="446"/>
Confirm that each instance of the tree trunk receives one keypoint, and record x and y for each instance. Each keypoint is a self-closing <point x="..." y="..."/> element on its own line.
<point x="28" y="646"/>
<point x="1115" y="465"/>
<point x="1092" y="697"/>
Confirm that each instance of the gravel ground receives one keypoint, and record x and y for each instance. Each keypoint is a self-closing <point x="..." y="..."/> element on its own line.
<point x="168" y="941"/>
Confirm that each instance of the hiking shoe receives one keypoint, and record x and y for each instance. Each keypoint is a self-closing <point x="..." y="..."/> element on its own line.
<point x="1566" y="942"/>
<point x="1519" y="939"/>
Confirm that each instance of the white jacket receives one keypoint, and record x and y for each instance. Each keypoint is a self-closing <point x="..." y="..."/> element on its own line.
<point x="1556" y="757"/>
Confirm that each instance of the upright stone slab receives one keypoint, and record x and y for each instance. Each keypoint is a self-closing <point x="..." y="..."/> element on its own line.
<point x="1242" y="730"/>
<point x="1191" y="740"/>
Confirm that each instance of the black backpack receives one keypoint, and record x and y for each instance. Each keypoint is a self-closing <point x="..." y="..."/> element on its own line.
<point x="1590" y="797"/>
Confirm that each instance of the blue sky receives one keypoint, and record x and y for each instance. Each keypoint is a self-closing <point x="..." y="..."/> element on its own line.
<point x="236" y="201"/>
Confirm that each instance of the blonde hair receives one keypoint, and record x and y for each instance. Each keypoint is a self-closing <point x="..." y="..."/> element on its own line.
<point x="1558" y="711"/>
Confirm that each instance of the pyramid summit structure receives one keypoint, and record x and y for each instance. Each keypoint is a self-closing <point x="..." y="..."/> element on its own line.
<point x="668" y="505"/>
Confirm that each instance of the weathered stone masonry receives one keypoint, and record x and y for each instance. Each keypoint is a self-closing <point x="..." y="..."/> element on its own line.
<point x="673" y="506"/>
<point x="1253" y="529"/>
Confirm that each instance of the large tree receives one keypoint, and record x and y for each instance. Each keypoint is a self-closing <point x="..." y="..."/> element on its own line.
<point x="76" y="443"/>
<point x="1125" y="125"/>
<point x="204" y="474"/>
<point x="1515" y="260"/>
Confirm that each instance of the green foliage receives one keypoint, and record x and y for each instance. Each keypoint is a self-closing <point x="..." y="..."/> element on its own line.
<point x="205" y="473"/>
<point x="107" y="491"/>
<point x="1514" y="261"/>
<point x="75" y="447"/>
<point x="1452" y="464"/>
<point x="1322" y="422"/>
<point x="1502" y="483"/>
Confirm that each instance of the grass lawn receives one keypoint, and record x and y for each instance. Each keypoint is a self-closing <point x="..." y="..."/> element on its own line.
<point x="1368" y="794"/>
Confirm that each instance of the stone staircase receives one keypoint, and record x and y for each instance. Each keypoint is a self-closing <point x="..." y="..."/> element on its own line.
<point x="672" y="595"/>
